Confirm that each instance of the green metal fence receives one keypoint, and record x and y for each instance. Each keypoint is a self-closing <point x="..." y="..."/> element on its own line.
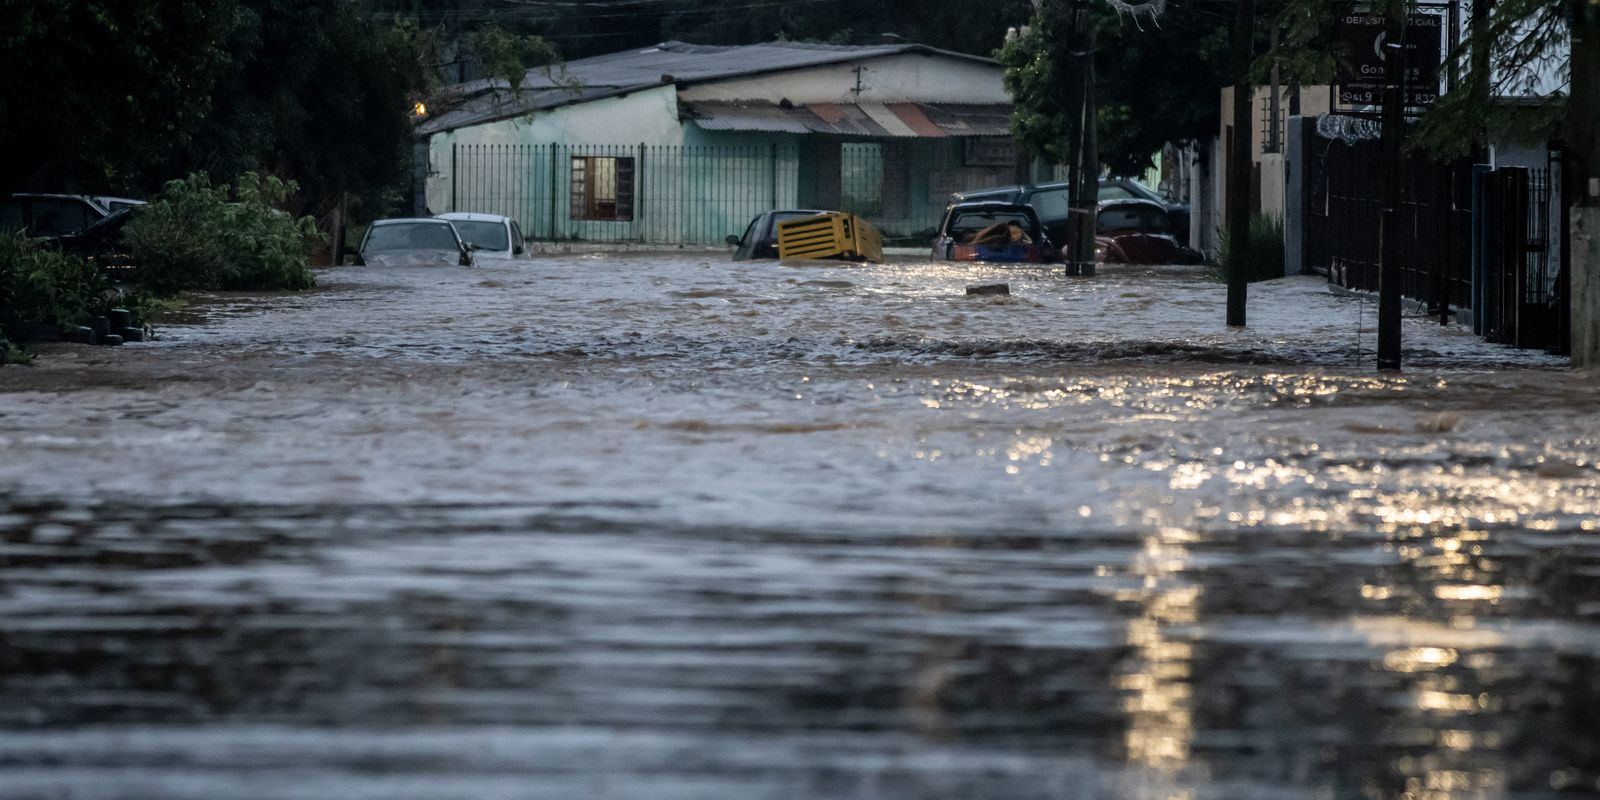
<point x="677" y="195"/>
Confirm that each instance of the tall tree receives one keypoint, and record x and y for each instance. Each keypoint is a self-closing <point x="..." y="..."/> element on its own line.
<point x="97" y="95"/>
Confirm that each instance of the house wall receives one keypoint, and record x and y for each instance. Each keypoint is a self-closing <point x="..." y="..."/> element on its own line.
<point x="898" y="78"/>
<point x="697" y="186"/>
<point x="647" y="117"/>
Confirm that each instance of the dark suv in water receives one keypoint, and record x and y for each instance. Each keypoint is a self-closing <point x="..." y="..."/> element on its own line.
<point x="1049" y="200"/>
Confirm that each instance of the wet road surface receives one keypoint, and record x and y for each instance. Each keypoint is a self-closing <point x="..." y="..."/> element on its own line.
<point x="670" y="527"/>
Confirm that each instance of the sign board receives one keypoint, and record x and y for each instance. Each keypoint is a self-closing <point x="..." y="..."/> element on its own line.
<point x="1360" y="40"/>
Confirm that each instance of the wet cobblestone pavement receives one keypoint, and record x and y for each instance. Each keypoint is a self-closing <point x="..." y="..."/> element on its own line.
<point x="670" y="527"/>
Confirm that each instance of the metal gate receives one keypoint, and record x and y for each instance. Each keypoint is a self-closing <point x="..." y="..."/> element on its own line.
<point x="1470" y="237"/>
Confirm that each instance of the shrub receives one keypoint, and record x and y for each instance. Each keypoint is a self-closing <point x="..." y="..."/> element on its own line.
<point x="1264" y="260"/>
<point x="40" y="285"/>
<point x="192" y="237"/>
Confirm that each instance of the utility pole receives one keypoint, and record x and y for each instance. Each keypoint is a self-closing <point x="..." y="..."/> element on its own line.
<point x="1077" y="101"/>
<point x="1583" y="136"/>
<point x="1394" y="102"/>
<point x="1239" y="163"/>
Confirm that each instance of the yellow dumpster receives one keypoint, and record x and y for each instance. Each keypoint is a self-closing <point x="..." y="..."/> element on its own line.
<point x="831" y="235"/>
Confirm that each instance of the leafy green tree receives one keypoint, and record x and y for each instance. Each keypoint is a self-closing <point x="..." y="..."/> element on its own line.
<point x="98" y="95"/>
<point x="1155" y="83"/>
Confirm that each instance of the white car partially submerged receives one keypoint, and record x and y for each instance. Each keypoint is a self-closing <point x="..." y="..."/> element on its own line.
<point x="491" y="236"/>
<point x="418" y="242"/>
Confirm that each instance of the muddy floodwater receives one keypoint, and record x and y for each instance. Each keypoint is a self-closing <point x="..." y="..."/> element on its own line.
<point x="662" y="527"/>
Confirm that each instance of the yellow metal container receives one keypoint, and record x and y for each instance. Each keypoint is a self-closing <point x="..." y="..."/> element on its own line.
<point x="831" y="235"/>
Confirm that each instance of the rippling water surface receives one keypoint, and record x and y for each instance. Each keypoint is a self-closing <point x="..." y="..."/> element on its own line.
<point x="671" y="527"/>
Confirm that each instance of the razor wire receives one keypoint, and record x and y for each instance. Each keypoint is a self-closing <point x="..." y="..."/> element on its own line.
<point x="1347" y="129"/>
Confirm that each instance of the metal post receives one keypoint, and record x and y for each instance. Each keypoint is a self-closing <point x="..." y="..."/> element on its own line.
<point x="1394" y="100"/>
<point x="1274" y="111"/>
<point x="553" y="180"/>
<point x="455" y="173"/>
<point x="772" y="177"/>
<point x="1239" y="159"/>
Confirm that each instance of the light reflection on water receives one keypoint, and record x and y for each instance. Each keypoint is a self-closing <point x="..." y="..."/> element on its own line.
<point x="665" y="528"/>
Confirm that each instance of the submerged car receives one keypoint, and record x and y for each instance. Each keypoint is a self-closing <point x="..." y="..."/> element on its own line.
<point x="995" y="232"/>
<point x="104" y="242"/>
<point x="491" y="237"/>
<point x="52" y="215"/>
<point x="417" y="242"/>
<point x="1051" y="202"/>
<point x="760" y="239"/>
<point x="1137" y="232"/>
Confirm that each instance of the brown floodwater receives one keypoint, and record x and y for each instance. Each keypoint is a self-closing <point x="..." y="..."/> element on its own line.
<point x="672" y="527"/>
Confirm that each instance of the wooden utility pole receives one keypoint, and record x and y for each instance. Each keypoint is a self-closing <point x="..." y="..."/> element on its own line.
<point x="1239" y="164"/>
<point x="1077" y="102"/>
<point x="1583" y="136"/>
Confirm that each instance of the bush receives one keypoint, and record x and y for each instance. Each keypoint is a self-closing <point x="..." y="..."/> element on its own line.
<point x="40" y="285"/>
<point x="1264" y="260"/>
<point x="192" y="237"/>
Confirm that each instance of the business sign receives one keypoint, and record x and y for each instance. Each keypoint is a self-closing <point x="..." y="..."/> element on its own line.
<point x="1362" y="55"/>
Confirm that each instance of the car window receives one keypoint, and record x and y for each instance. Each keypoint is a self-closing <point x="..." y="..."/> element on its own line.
<point x="1112" y="191"/>
<point x="487" y="235"/>
<point x="1132" y="217"/>
<point x="54" y="217"/>
<point x="11" y="215"/>
<point x="518" y="241"/>
<point x="963" y="225"/>
<point x="1050" y="204"/>
<point x="414" y="236"/>
<point x="749" y="233"/>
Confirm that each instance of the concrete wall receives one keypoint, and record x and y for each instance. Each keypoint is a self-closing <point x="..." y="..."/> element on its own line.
<point x="898" y="78"/>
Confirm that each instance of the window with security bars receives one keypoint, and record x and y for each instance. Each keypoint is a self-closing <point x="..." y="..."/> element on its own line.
<point x="602" y="188"/>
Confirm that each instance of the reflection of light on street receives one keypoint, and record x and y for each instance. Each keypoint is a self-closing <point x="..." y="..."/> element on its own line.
<point x="1458" y="592"/>
<point x="1433" y="700"/>
<point x="1417" y="659"/>
<point x="1159" y="700"/>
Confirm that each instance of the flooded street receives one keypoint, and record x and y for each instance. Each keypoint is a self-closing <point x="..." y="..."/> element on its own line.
<point x="673" y="527"/>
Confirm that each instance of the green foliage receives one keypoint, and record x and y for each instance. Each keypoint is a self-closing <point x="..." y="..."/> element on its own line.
<point x="99" y="94"/>
<point x="1519" y="40"/>
<point x="42" y="286"/>
<point x="1263" y="259"/>
<point x="510" y="56"/>
<point x="319" y="91"/>
<point x="1033" y="71"/>
<point x="1501" y="56"/>
<point x="192" y="237"/>
<point x="1158" y="83"/>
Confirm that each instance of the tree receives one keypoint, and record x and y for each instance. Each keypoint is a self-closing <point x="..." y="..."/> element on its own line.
<point x="1156" y="81"/>
<point x="1504" y="54"/>
<point x="317" y="91"/>
<point x="98" y="94"/>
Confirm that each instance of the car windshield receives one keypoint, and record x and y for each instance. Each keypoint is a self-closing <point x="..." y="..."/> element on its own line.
<point x="410" y="236"/>
<point x="487" y="235"/>
<point x="965" y="226"/>
<point x="1137" y="217"/>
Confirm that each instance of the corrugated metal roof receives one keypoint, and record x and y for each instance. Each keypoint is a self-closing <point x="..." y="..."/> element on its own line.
<point x="895" y="120"/>
<point x="665" y="63"/>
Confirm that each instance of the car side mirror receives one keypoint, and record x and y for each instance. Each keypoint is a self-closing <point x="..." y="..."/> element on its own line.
<point x="733" y="240"/>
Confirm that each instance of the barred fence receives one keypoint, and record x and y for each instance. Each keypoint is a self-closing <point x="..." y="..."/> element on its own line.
<point x="679" y="195"/>
<point x="1471" y="237"/>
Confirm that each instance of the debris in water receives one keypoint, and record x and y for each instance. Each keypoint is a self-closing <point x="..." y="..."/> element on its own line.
<point x="989" y="288"/>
